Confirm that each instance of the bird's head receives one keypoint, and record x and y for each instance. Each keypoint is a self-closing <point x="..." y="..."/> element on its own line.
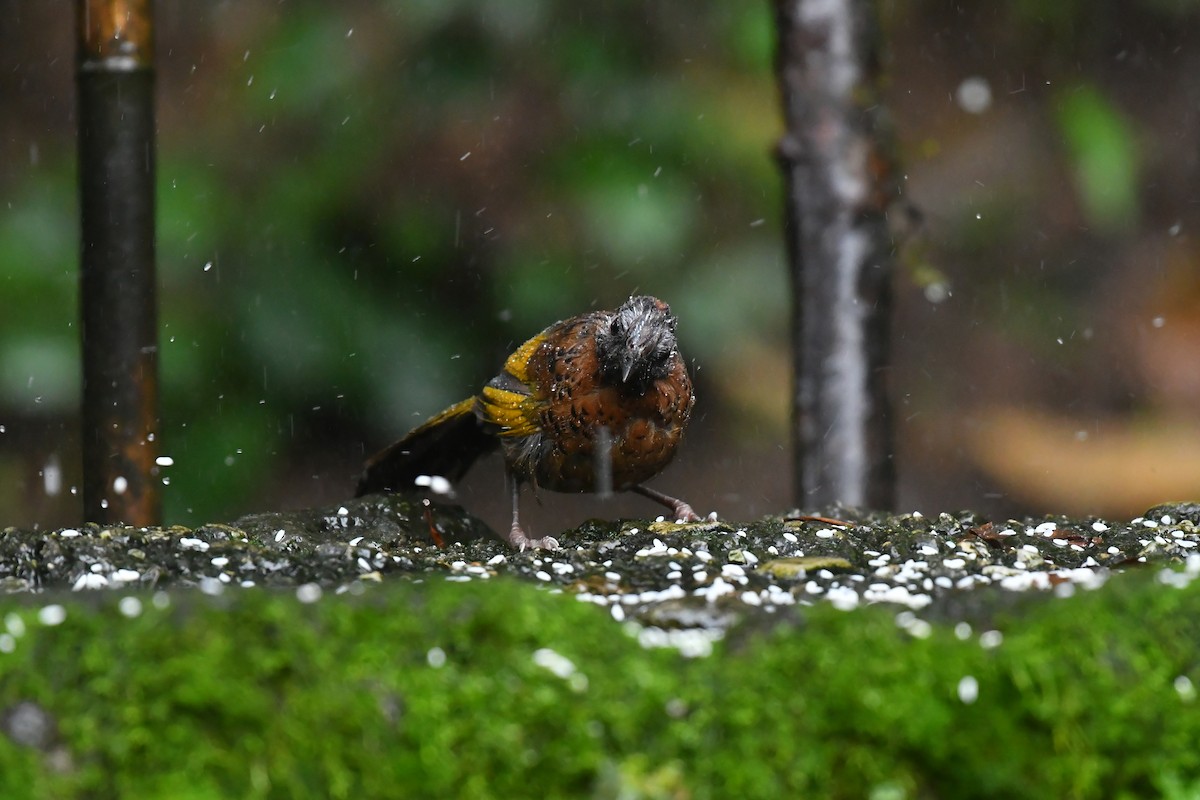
<point x="638" y="342"/>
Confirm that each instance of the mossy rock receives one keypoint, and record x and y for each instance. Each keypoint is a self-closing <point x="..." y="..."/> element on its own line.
<point x="502" y="689"/>
<point x="352" y="656"/>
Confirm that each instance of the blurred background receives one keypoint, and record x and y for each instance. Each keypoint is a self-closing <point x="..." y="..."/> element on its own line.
<point x="364" y="206"/>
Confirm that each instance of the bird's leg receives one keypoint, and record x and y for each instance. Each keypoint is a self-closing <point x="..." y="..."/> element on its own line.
<point x="680" y="509"/>
<point x="516" y="535"/>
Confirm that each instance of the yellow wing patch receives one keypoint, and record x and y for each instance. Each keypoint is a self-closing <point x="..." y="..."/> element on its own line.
<point x="513" y="412"/>
<point x="518" y="363"/>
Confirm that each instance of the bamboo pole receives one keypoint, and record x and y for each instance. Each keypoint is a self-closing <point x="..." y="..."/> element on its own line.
<point x="115" y="82"/>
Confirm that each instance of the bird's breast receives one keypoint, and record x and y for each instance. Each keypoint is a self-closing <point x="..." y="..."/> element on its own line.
<point x="607" y="429"/>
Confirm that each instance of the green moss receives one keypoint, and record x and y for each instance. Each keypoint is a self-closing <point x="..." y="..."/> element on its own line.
<point x="255" y="694"/>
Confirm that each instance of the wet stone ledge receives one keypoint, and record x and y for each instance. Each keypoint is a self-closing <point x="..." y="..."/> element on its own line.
<point x="668" y="576"/>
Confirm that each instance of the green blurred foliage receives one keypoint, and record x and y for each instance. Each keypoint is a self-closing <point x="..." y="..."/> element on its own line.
<point x="39" y="351"/>
<point x="1105" y="157"/>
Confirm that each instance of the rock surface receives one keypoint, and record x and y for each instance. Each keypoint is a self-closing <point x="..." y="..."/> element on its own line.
<point x="667" y="575"/>
<point x="344" y="653"/>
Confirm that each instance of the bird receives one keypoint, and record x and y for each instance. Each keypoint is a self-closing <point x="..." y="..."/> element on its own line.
<point x="595" y="403"/>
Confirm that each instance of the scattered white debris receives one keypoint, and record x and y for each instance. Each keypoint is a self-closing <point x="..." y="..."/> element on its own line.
<point x="89" y="580"/>
<point x="130" y="606"/>
<point x="990" y="640"/>
<point x="437" y="484"/>
<point x="655" y="549"/>
<point x="735" y="571"/>
<point x="718" y="588"/>
<point x="435" y="657"/>
<point x="843" y="598"/>
<point x="14" y="624"/>
<point x="690" y="642"/>
<point x="212" y="586"/>
<point x="556" y="663"/>
<point x="52" y="615"/>
<point x="900" y="595"/>
<point x="968" y="689"/>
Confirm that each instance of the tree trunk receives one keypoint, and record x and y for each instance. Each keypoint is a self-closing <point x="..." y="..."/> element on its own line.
<point x="839" y="185"/>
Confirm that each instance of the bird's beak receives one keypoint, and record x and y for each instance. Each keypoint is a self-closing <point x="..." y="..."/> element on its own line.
<point x="628" y="360"/>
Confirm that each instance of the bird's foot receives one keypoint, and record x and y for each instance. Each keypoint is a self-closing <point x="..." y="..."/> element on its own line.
<point x="684" y="512"/>
<point x="518" y="539"/>
<point x="680" y="509"/>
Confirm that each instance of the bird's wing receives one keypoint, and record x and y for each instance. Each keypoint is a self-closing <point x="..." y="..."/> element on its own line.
<point x="511" y="401"/>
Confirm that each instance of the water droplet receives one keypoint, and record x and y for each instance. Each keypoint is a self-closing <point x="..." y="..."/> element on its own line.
<point x="974" y="95"/>
<point x="52" y="477"/>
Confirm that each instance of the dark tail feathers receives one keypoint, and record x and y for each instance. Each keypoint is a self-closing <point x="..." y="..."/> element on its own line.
<point x="446" y="445"/>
